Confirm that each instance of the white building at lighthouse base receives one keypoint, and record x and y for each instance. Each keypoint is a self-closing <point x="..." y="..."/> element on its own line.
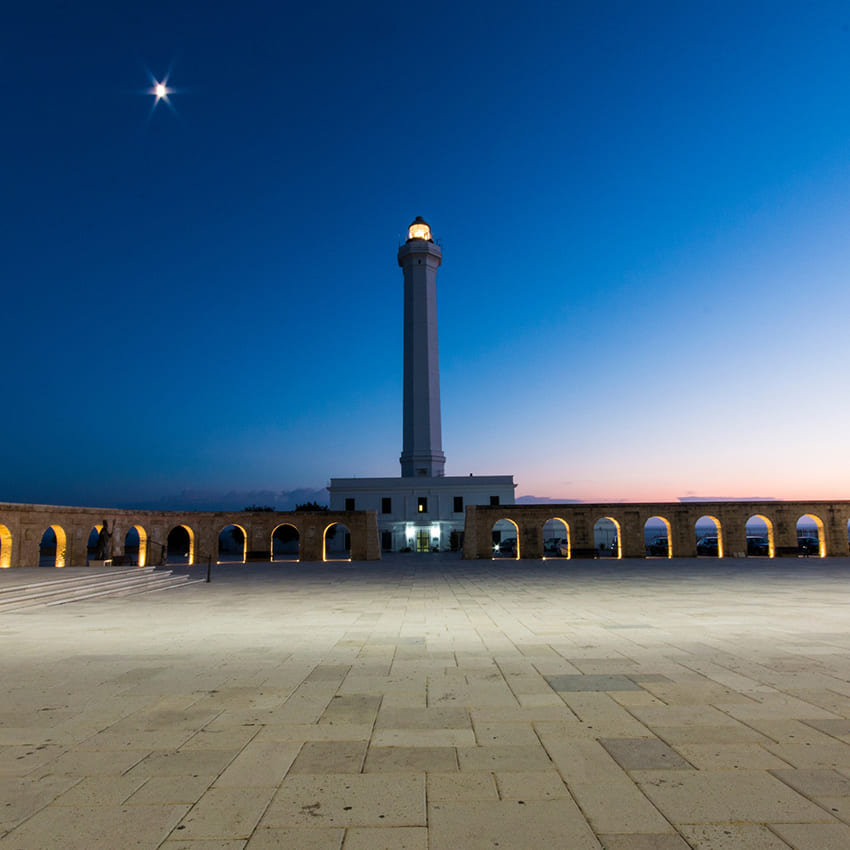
<point x="420" y="514"/>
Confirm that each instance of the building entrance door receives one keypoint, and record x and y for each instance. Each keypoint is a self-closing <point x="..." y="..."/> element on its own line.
<point x="423" y="540"/>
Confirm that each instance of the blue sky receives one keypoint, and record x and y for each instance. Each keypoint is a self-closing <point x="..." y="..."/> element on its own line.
<point x="643" y="208"/>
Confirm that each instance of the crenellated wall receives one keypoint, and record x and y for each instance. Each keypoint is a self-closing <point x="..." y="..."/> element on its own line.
<point x="22" y="528"/>
<point x="781" y="518"/>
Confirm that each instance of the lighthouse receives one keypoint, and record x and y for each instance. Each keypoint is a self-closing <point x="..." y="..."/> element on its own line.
<point x="422" y="447"/>
<point x="423" y="509"/>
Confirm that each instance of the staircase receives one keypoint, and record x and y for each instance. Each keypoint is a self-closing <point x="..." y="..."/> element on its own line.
<point x="89" y="585"/>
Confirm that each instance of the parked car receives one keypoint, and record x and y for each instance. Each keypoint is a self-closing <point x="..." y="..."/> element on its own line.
<point x="758" y="546"/>
<point x="508" y="547"/>
<point x="563" y="547"/>
<point x="707" y="546"/>
<point x="808" y="545"/>
<point x="658" y="546"/>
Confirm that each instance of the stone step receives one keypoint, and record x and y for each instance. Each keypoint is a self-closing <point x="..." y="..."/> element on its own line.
<point x="62" y="591"/>
<point x="153" y="585"/>
<point x="77" y="578"/>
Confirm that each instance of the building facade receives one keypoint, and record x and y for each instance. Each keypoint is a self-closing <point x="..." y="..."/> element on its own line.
<point x="423" y="514"/>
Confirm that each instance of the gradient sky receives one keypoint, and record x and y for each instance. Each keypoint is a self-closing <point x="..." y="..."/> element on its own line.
<point x="644" y="212"/>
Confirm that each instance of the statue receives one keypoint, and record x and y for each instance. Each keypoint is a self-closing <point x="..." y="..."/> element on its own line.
<point x="104" y="543"/>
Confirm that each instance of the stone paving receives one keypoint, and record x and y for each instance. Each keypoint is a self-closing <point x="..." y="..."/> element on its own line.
<point x="429" y="703"/>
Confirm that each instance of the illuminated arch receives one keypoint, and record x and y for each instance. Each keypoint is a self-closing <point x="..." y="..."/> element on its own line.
<point x="286" y="542"/>
<point x="493" y="530"/>
<point x="191" y="535"/>
<point x="557" y="537"/>
<point x="5" y="547"/>
<point x="345" y="550"/>
<point x="719" y="531"/>
<point x="141" y="559"/>
<point x="668" y="529"/>
<point x="244" y="557"/>
<point x="92" y="542"/>
<point x="820" y="529"/>
<point x="771" y="534"/>
<point x="617" y="531"/>
<point x="61" y="544"/>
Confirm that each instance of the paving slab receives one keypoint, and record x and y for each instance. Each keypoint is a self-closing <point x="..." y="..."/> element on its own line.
<point x="732" y="836"/>
<point x="643" y="754"/>
<point x="625" y="810"/>
<point x="376" y="800"/>
<point x="816" y="783"/>
<point x="225" y="813"/>
<point x="161" y="790"/>
<point x="410" y="759"/>
<point x="504" y="758"/>
<point x="329" y="757"/>
<point x="462" y="786"/>
<point x="23" y="797"/>
<point x="726" y="795"/>
<point x="393" y="838"/>
<point x="836" y="755"/>
<point x="531" y="785"/>
<point x="436" y="703"/>
<point x="568" y="683"/>
<point x="298" y="839"/>
<point x="643" y="841"/>
<point x="482" y="825"/>
<point x="814" y="836"/>
<point x="85" y="827"/>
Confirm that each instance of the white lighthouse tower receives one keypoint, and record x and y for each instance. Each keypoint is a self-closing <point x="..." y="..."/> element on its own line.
<point x="424" y="509"/>
<point x="422" y="453"/>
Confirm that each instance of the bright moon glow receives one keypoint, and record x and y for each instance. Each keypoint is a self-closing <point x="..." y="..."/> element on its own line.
<point x="161" y="91"/>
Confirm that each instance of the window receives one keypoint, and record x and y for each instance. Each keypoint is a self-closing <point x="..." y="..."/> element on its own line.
<point x="349" y="504"/>
<point x="423" y="504"/>
<point x="386" y="505"/>
<point x="458" y="509"/>
<point x="494" y="500"/>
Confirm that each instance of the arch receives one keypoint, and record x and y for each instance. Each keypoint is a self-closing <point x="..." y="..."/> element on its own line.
<point x="607" y="537"/>
<point x="505" y="547"/>
<point x="232" y="544"/>
<point x="336" y="542"/>
<point x="136" y="539"/>
<point x="185" y="542"/>
<point x="709" y="542"/>
<point x="53" y="540"/>
<point x="811" y="539"/>
<point x="761" y="536"/>
<point x="5" y="547"/>
<point x="556" y="538"/>
<point x="658" y="537"/>
<point x="285" y="544"/>
<point x="91" y="543"/>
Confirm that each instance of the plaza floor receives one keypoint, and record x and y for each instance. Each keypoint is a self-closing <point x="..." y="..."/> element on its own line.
<point x="430" y="703"/>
